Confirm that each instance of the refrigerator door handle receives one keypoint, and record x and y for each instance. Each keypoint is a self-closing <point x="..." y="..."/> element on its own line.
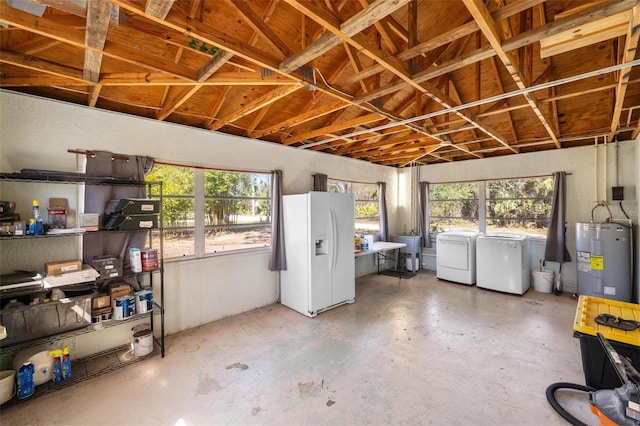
<point x="334" y="240"/>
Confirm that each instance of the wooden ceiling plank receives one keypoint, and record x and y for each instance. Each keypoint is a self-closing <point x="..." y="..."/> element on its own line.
<point x="585" y="35"/>
<point x="338" y="31"/>
<point x="79" y="8"/>
<point x="365" y="119"/>
<point x="488" y="27"/>
<point x="494" y="68"/>
<point x="259" y="25"/>
<point x="35" y="45"/>
<point x="516" y="42"/>
<point x="258" y="118"/>
<point x="255" y="105"/>
<point x="215" y="63"/>
<point x="36" y="64"/>
<point x="629" y="53"/>
<point x="302" y="118"/>
<point x="50" y="28"/>
<point x="216" y="105"/>
<point x="94" y="95"/>
<point x="158" y="8"/>
<point x="352" y="54"/>
<point x="98" y="12"/>
<point x="388" y="37"/>
<point x="599" y="11"/>
<point x="180" y="99"/>
<point x="207" y="34"/>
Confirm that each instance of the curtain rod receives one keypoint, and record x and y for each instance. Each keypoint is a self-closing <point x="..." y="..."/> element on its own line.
<point x="498" y="178"/>
<point x="93" y="154"/>
<point x="167" y="163"/>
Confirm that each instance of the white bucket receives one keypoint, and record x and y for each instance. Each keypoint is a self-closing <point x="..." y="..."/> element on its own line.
<point x="542" y="281"/>
<point x="142" y="342"/>
<point x="7" y="385"/>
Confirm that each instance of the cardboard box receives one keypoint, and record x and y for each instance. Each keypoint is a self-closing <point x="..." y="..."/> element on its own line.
<point x="108" y="266"/>
<point x="119" y="290"/>
<point x="132" y="206"/>
<point x="132" y="222"/>
<point x="57" y="212"/>
<point x="63" y="267"/>
<point x="99" y="302"/>
<point x="87" y="274"/>
<point x="90" y="221"/>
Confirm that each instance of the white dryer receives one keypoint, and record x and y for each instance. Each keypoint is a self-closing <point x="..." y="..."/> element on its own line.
<point x="456" y="256"/>
<point x="502" y="262"/>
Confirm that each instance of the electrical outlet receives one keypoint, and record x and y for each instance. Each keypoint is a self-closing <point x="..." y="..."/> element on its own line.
<point x="617" y="193"/>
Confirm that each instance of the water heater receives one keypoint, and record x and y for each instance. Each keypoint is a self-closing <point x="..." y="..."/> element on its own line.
<point x="604" y="260"/>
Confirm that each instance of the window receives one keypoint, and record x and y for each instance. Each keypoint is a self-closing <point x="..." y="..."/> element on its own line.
<point x="367" y="207"/>
<point x="520" y="205"/>
<point x="453" y="206"/>
<point x="505" y="205"/>
<point x="234" y="212"/>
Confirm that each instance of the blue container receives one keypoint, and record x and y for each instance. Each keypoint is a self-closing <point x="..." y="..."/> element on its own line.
<point x="26" y="385"/>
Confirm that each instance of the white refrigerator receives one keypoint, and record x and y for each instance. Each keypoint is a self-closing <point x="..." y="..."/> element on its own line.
<point x="318" y="235"/>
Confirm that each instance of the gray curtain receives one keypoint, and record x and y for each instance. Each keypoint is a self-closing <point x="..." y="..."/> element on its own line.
<point x="106" y="164"/>
<point x="423" y="214"/>
<point x="556" y="249"/>
<point x="278" y="258"/>
<point x="320" y="182"/>
<point x="384" y="221"/>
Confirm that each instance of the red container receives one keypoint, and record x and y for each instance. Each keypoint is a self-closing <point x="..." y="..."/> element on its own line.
<point x="149" y="259"/>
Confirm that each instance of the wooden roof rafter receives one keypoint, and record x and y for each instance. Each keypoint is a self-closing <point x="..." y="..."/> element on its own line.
<point x="629" y="53"/>
<point x="488" y="26"/>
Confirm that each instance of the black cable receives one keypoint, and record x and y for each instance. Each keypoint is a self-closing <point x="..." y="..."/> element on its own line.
<point x="624" y="212"/>
<point x="551" y="390"/>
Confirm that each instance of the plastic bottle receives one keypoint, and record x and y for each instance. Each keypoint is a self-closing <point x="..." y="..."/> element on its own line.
<point x="66" y="364"/>
<point x="56" y="376"/>
<point x="26" y="385"/>
<point x="35" y="226"/>
<point x="364" y="243"/>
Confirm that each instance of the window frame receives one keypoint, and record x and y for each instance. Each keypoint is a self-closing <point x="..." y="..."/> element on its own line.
<point x="483" y="200"/>
<point x="199" y="214"/>
<point x="349" y="185"/>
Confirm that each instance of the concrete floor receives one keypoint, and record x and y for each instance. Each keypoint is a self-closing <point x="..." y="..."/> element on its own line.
<point x="415" y="351"/>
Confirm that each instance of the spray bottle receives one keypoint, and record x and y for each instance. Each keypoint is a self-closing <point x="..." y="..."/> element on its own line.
<point x="66" y="364"/>
<point x="35" y="224"/>
<point x="56" y="376"/>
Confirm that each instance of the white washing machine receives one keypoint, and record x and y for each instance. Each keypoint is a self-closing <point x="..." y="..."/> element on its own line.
<point x="502" y="262"/>
<point x="456" y="256"/>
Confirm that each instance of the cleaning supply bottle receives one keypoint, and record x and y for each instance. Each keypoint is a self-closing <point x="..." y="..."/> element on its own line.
<point x="35" y="224"/>
<point x="364" y="243"/>
<point x="56" y="375"/>
<point x="26" y="384"/>
<point x="66" y="364"/>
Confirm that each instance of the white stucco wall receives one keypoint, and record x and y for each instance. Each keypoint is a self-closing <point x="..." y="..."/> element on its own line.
<point x="581" y="195"/>
<point x="36" y="134"/>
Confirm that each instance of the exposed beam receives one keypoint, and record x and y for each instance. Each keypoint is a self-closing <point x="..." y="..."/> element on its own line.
<point x="261" y="28"/>
<point x="488" y="27"/>
<point x="365" y="119"/>
<point x="98" y="12"/>
<point x="36" y="64"/>
<point x="158" y="8"/>
<point x="215" y="63"/>
<point x="629" y="53"/>
<point x="256" y="104"/>
<point x="352" y="26"/>
<point x="300" y="119"/>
